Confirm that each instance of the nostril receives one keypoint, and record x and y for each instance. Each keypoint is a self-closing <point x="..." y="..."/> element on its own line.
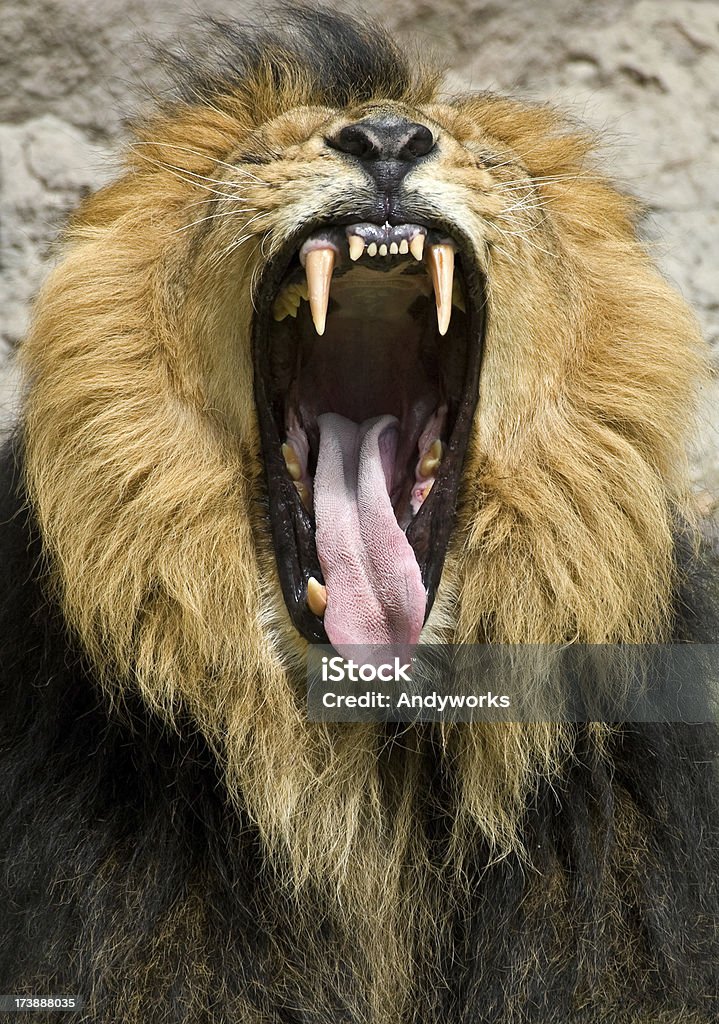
<point x="356" y="140"/>
<point x="384" y="139"/>
<point x="418" y="143"/>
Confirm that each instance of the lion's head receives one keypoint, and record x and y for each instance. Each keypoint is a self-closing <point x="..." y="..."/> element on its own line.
<point x="332" y="326"/>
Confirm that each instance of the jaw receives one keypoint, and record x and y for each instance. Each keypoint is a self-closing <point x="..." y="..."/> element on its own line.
<point x="367" y="351"/>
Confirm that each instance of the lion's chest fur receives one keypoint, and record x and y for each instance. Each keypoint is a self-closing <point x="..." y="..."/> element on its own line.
<point x="149" y="888"/>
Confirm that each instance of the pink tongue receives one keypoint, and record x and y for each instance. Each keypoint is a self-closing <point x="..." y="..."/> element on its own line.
<point x="375" y="593"/>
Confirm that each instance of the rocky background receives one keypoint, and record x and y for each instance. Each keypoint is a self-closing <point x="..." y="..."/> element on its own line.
<point x="644" y="73"/>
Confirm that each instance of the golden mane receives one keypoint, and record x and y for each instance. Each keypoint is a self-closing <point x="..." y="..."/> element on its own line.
<point x="144" y="463"/>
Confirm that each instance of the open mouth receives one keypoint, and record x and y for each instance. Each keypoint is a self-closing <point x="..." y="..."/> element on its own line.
<point x="367" y="344"/>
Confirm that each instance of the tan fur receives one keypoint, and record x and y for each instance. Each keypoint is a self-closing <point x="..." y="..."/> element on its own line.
<point x="144" y="466"/>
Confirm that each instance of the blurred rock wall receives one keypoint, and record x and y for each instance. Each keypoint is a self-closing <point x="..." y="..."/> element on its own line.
<point x="644" y="73"/>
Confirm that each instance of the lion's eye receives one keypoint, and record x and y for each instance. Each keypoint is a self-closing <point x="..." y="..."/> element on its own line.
<point x="367" y="348"/>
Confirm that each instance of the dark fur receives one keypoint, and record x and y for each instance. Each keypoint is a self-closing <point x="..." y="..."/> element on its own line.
<point x="125" y="871"/>
<point x="348" y="61"/>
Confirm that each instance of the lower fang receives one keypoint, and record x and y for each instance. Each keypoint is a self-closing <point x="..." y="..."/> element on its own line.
<point x="431" y="461"/>
<point x="291" y="461"/>
<point x="316" y="597"/>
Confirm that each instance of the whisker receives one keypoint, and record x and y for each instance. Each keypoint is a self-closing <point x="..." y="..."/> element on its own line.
<point x="530" y="242"/>
<point x="499" y="248"/>
<point x="214" y="216"/>
<point x="237" y="242"/>
<point x="524" y="204"/>
<point x="204" y="202"/>
<point x="216" y="160"/>
<point x="546" y="179"/>
<point x="189" y="178"/>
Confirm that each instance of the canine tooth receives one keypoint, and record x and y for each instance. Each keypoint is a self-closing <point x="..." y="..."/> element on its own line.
<point x="441" y="265"/>
<point x="372" y="249"/>
<point x="394" y="248"/>
<point x="404" y="246"/>
<point x="383" y="250"/>
<point x="316" y="597"/>
<point x="292" y="461"/>
<point x="356" y="245"/>
<point x="432" y="460"/>
<point x="416" y="246"/>
<point x="428" y="467"/>
<point x="319" y="264"/>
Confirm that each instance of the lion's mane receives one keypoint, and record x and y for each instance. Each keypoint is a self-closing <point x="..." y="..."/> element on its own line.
<point x="143" y="461"/>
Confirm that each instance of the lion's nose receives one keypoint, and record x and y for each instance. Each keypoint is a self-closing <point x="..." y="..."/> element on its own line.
<point x="384" y="139"/>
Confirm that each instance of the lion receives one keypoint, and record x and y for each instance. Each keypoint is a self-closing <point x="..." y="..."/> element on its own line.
<point x="342" y="359"/>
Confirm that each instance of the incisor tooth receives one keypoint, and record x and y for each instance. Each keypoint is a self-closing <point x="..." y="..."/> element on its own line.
<point x="394" y="248"/>
<point x="356" y="245"/>
<point x="383" y="250"/>
<point x="316" y="596"/>
<point x="441" y="265"/>
<point x="372" y="249"/>
<point x="416" y="246"/>
<point x="404" y="246"/>
<point x="291" y="461"/>
<point x="319" y="264"/>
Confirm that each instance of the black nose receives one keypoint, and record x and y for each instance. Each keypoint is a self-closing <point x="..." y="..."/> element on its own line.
<point x="384" y="139"/>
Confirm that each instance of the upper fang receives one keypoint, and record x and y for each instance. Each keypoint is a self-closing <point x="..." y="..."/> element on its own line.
<point x="319" y="264"/>
<point x="440" y="259"/>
